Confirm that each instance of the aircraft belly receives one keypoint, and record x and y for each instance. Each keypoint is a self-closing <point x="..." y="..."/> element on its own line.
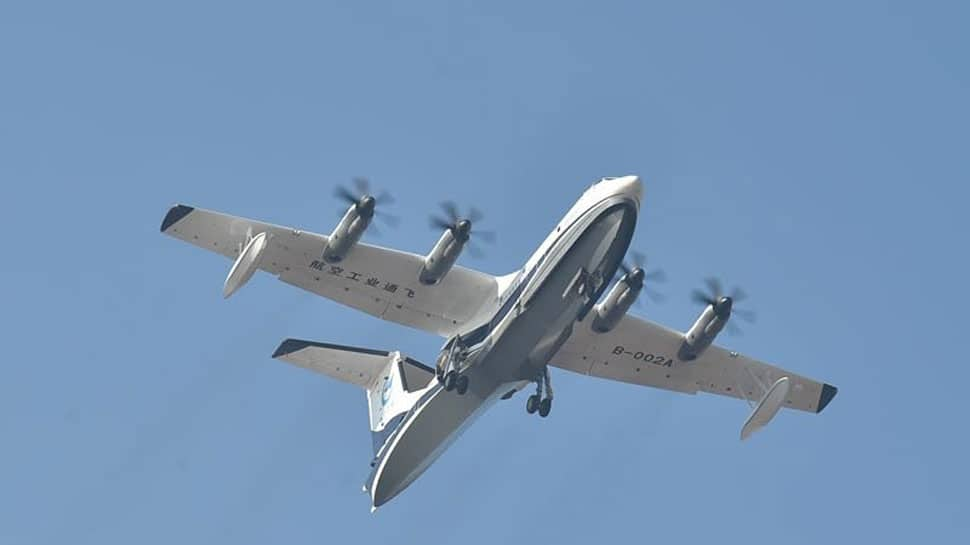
<point x="534" y="335"/>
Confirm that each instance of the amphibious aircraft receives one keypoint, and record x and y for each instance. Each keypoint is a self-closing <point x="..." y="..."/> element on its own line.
<point x="503" y="333"/>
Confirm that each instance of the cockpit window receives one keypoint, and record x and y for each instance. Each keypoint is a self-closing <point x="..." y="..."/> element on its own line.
<point x="604" y="179"/>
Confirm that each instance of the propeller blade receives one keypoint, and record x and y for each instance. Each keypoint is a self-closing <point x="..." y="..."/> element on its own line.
<point x="639" y="259"/>
<point x="390" y="219"/>
<point x="475" y="215"/>
<point x="473" y="249"/>
<point x="733" y="329"/>
<point x="439" y="223"/>
<point x="487" y="236"/>
<point x="656" y="276"/>
<point x="385" y="198"/>
<point x="738" y="294"/>
<point x="747" y="315"/>
<point x="451" y="210"/>
<point x="362" y="184"/>
<point x="655" y="296"/>
<point x="699" y="296"/>
<point x="345" y="194"/>
<point x="714" y="285"/>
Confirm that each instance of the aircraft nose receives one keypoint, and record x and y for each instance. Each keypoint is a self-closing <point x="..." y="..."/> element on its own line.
<point x="630" y="186"/>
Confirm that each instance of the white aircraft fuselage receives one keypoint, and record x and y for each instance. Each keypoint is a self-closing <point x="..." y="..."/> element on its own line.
<point x="533" y="317"/>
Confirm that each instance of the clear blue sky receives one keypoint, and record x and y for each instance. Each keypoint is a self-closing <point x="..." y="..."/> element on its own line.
<point x="815" y="153"/>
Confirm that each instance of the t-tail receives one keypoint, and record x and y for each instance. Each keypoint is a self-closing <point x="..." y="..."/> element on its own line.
<point x="393" y="382"/>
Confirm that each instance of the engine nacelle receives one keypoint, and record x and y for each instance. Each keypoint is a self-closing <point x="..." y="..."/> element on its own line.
<point x="441" y="259"/>
<point x="611" y="310"/>
<point x="349" y="230"/>
<point x="700" y="335"/>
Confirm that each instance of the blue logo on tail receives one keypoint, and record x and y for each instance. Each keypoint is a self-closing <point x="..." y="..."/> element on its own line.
<point x="386" y="390"/>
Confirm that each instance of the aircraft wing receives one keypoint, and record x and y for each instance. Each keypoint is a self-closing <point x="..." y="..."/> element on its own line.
<point x="642" y="352"/>
<point x="379" y="281"/>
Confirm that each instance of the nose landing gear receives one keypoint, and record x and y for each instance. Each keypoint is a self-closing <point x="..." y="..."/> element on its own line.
<point x="537" y="402"/>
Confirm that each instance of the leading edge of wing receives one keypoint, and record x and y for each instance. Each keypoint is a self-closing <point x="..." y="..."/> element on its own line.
<point x="289" y="346"/>
<point x="174" y="215"/>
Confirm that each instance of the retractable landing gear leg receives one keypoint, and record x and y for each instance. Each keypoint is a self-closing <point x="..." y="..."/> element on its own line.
<point x="538" y="402"/>
<point x="546" y="404"/>
<point x="449" y="376"/>
<point x="534" y="400"/>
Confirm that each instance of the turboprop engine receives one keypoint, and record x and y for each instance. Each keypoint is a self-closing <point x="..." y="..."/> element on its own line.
<point x="713" y="319"/>
<point x="444" y="253"/>
<point x="625" y="292"/>
<point x="455" y="238"/>
<point x="618" y="301"/>
<point x="355" y="220"/>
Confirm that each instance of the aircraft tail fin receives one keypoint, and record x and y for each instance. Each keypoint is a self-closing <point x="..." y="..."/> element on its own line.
<point x="392" y="381"/>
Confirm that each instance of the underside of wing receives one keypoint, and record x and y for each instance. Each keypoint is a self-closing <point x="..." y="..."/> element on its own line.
<point x="379" y="281"/>
<point x="360" y="366"/>
<point x="641" y="352"/>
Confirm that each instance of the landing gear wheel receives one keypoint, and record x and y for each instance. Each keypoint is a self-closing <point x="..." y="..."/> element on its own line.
<point x="450" y="378"/>
<point x="545" y="406"/>
<point x="532" y="404"/>
<point x="461" y="384"/>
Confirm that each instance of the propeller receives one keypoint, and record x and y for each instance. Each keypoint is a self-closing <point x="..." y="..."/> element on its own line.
<point x="724" y="304"/>
<point x="635" y="271"/>
<point x="461" y="226"/>
<point x="362" y="198"/>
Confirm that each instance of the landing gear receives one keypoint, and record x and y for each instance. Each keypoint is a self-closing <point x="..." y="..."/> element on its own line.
<point x="449" y="381"/>
<point x="455" y="381"/>
<point x="537" y="402"/>
<point x="545" y="406"/>
<point x="449" y="362"/>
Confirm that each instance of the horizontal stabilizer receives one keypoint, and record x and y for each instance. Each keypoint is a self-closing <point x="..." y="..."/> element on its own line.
<point x="360" y="366"/>
<point x="393" y="382"/>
